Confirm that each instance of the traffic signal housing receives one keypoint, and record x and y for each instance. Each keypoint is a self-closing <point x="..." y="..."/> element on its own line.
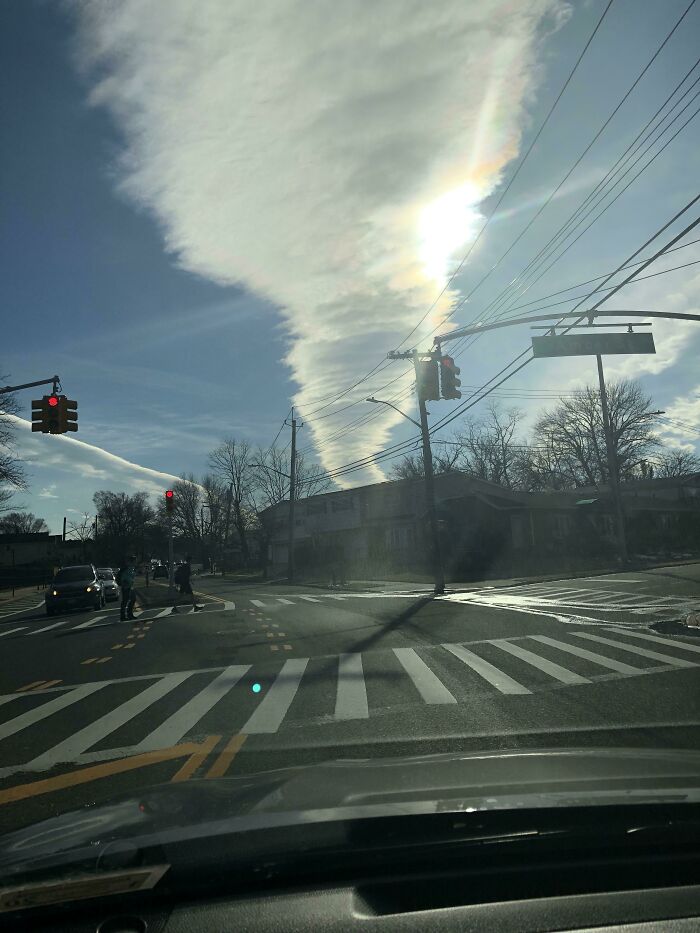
<point x="54" y="414"/>
<point x="448" y="378"/>
<point x="427" y="380"/>
<point x="169" y="500"/>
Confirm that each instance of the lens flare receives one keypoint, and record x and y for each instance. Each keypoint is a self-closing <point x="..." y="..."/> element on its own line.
<point x="444" y="225"/>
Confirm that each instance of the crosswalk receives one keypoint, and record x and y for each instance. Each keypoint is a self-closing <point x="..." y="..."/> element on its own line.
<point x="12" y="607"/>
<point x="147" y="712"/>
<point x="571" y="603"/>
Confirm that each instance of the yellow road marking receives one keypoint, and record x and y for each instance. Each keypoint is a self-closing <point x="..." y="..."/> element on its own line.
<point x="195" y="760"/>
<point x="89" y="661"/>
<point x="102" y="660"/>
<point x="287" y="647"/>
<point x="140" y="636"/>
<point x="131" y="636"/>
<point x="50" y="683"/>
<point x="270" y="635"/>
<point x="95" y="772"/>
<point x="31" y="686"/>
<point x="132" y="645"/>
<point x="223" y="762"/>
<point x="114" y="647"/>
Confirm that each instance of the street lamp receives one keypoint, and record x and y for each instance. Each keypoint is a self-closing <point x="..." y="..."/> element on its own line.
<point x="379" y="401"/>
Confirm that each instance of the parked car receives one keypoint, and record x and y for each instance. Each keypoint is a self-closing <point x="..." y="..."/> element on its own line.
<point x="110" y="586"/>
<point x="77" y="587"/>
<point x="160" y="571"/>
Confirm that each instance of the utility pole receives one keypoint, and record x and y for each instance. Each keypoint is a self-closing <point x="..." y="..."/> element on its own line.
<point x="171" y="557"/>
<point x="64" y="528"/>
<point x="292" y="494"/>
<point x="438" y="574"/>
<point x="612" y="463"/>
<point x="436" y="552"/>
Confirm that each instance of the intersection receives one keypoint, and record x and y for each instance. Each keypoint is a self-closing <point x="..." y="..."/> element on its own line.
<point x="272" y="675"/>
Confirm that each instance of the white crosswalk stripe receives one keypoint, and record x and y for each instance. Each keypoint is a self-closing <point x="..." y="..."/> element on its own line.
<point x="310" y="599"/>
<point x="422" y="678"/>
<point x="12" y="631"/>
<point x="47" y="628"/>
<point x="351" y="698"/>
<point x="258" y="602"/>
<point x="89" y="622"/>
<point x="599" y="659"/>
<point x="177" y="725"/>
<point x="426" y="682"/>
<point x="287" y="602"/>
<point x="272" y="710"/>
<point x="492" y="675"/>
<point x="549" y="667"/>
<point x="110" y="722"/>
<point x="642" y="652"/>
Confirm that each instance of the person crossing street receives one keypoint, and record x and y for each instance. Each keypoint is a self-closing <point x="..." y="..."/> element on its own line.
<point x="125" y="579"/>
<point x="182" y="579"/>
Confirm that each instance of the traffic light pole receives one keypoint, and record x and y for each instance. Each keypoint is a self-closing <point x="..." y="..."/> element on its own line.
<point x="612" y="462"/>
<point x="438" y="574"/>
<point x="292" y="493"/>
<point x="53" y="380"/>
<point x="171" y="557"/>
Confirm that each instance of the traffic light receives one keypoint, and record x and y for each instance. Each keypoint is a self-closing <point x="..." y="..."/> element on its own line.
<point x="46" y="414"/>
<point x="427" y="380"/>
<point x="448" y="378"/>
<point x="169" y="500"/>
<point x="67" y="415"/>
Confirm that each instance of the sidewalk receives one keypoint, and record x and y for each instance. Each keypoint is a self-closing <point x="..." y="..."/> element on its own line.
<point x="20" y="593"/>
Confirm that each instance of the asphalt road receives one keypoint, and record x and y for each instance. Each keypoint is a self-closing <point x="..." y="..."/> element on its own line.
<point x="269" y="675"/>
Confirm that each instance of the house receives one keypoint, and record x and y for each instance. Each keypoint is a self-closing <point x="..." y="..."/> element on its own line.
<point x="383" y="529"/>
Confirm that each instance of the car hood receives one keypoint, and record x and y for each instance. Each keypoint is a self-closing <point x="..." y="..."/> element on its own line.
<point x="346" y="790"/>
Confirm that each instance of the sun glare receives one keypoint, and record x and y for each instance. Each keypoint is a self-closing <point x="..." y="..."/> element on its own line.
<point x="446" y="224"/>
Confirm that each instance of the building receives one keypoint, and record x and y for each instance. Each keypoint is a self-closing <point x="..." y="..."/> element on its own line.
<point x="382" y="529"/>
<point x="27" y="559"/>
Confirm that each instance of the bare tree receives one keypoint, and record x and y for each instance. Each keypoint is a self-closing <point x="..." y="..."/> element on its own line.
<point x="122" y="523"/>
<point x="490" y="448"/>
<point x="272" y="477"/>
<point x="187" y="512"/>
<point x="81" y="529"/>
<point x="12" y="476"/>
<point x="674" y="462"/>
<point x="573" y="432"/>
<point x="22" y="523"/>
<point x="233" y="462"/>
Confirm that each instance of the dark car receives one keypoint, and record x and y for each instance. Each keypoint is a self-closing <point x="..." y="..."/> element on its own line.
<point x="160" y="571"/>
<point x="76" y="587"/>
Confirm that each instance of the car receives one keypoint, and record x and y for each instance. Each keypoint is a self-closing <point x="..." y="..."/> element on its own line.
<point x="109" y="583"/>
<point x="75" y="587"/>
<point x="160" y="571"/>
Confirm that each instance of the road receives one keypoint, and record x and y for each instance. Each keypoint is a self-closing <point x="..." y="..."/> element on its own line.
<point x="272" y="675"/>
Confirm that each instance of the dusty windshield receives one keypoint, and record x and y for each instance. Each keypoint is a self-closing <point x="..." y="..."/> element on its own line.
<point x="364" y="339"/>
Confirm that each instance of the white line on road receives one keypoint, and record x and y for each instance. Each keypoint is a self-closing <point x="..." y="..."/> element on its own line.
<point x="48" y="628"/>
<point x="15" y="612"/>
<point x="85" y="738"/>
<point x="177" y="725"/>
<point x="563" y="674"/>
<point x="310" y="599"/>
<point x="670" y="642"/>
<point x="287" y="602"/>
<point x="643" y="652"/>
<point x="47" y="709"/>
<point x="258" y="602"/>
<point x="12" y="630"/>
<point x="164" y="612"/>
<point x="269" y="715"/>
<point x="498" y="679"/>
<point x="89" y="622"/>
<point x="336" y="596"/>
<point x="228" y="605"/>
<point x="426" y="683"/>
<point x="600" y="659"/>
<point x="351" y="697"/>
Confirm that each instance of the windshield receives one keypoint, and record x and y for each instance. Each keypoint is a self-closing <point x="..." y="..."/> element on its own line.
<point x="357" y="344"/>
<point x="74" y="575"/>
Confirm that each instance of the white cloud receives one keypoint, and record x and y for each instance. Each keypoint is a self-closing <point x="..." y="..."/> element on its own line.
<point x="80" y="461"/>
<point x="684" y="412"/>
<point x="298" y="147"/>
<point x="48" y="492"/>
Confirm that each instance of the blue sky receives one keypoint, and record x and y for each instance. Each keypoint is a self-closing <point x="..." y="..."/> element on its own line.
<point x="210" y="212"/>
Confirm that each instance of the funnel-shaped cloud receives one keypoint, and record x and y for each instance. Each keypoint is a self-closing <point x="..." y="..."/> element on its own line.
<point x="327" y="154"/>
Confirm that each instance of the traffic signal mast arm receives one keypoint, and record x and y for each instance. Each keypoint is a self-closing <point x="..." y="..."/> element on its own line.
<point x="53" y="380"/>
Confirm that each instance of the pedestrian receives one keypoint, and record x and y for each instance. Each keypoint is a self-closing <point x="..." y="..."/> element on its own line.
<point x="125" y="579"/>
<point x="182" y="578"/>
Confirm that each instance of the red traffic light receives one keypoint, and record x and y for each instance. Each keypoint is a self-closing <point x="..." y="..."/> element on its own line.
<point x="169" y="500"/>
<point x="168" y="493"/>
<point x="53" y="400"/>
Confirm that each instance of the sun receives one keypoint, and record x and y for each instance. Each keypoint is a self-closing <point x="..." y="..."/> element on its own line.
<point x="444" y="225"/>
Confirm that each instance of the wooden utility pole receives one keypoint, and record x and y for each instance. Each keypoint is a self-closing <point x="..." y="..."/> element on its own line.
<point x="292" y="496"/>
